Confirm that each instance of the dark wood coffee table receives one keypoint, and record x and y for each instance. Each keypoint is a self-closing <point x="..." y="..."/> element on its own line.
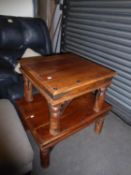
<point x="72" y="91"/>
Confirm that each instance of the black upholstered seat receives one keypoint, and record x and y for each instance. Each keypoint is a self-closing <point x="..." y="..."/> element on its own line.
<point x="16" y="35"/>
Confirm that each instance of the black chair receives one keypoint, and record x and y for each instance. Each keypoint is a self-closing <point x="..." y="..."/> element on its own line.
<point x="16" y="35"/>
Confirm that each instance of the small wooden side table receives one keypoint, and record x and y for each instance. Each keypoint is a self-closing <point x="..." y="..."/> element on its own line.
<point x="72" y="91"/>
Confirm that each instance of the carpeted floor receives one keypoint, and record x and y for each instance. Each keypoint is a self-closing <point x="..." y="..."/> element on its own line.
<point x="86" y="153"/>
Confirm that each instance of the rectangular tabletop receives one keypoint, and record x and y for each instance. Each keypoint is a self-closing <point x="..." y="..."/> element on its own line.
<point x="59" y="74"/>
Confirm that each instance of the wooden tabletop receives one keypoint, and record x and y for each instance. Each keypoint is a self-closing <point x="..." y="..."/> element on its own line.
<point x="65" y="72"/>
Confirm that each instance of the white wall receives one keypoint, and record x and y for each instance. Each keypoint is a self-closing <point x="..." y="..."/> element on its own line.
<point x="16" y="7"/>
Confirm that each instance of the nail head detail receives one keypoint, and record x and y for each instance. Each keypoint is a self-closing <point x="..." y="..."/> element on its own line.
<point x="78" y="81"/>
<point x="49" y="77"/>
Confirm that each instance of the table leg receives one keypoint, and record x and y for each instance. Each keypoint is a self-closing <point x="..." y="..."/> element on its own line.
<point x="45" y="156"/>
<point x="27" y="90"/>
<point x="55" y="114"/>
<point x="99" y="125"/>
<point x="100" y="97"/>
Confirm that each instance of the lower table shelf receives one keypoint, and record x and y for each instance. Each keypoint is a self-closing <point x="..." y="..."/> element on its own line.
<point x="79" y="114"/>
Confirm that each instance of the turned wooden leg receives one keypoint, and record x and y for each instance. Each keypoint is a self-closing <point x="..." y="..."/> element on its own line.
<point x="45" y="156"/>
<point x="99" y="125"/>
<point x="100" y="97"/>
<point x="27" y="90"/>
<point x="55" y="113"/>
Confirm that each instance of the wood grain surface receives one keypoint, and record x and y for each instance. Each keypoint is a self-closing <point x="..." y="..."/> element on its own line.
<point x="77" y="115"/>
<point x="64" y="73"/>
